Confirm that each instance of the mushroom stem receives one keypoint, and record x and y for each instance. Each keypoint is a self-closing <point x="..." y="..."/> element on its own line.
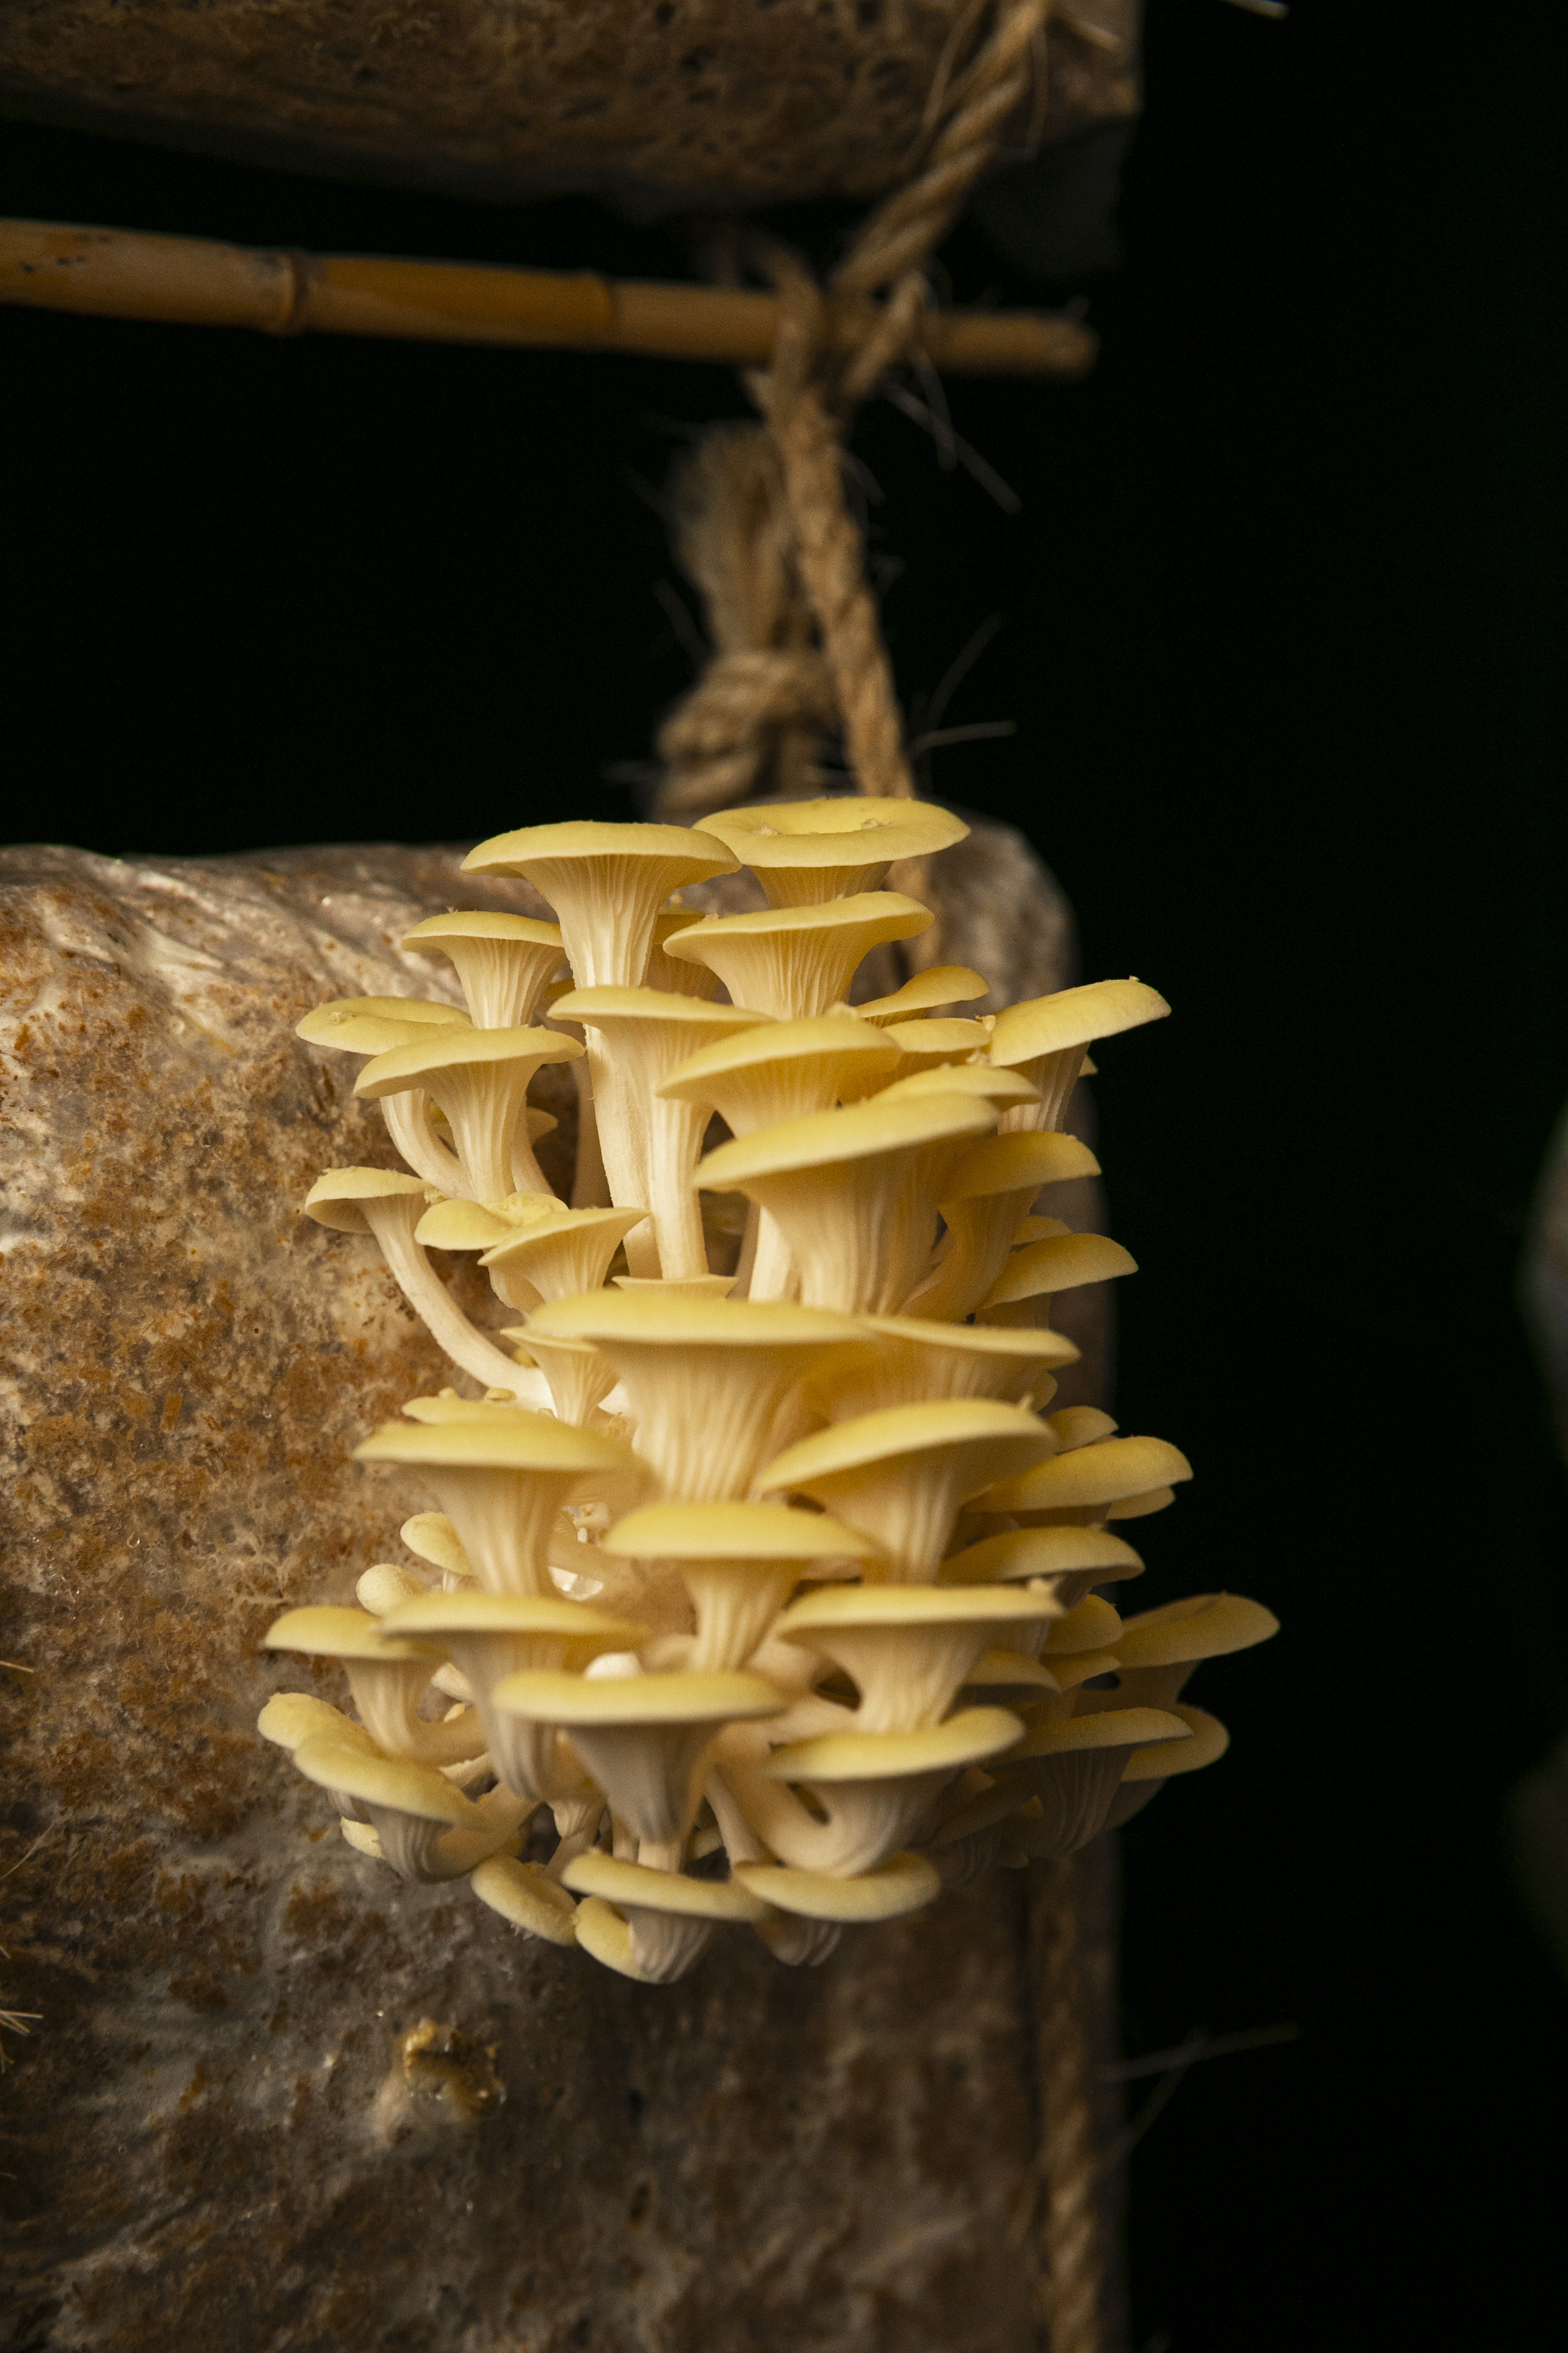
<point x="408" y="1118"/>
<point x="590" y="1186"/>
<point x="675" y="1143"/>
<point x="619" y="1123"/>
<point x="393" y="1221"/>
<point x="774" y="1274"/>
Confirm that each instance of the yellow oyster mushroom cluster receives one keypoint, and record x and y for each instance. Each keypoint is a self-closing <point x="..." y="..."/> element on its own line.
<point x="762" y="1591"/>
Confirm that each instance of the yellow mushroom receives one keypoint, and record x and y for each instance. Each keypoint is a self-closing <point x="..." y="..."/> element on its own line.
<point x="488" y="1636"/>
<point x="1074" y="1558"/>
<point x="480" y="1079"/>
<point x="932" y="1045"/>
<point x="1002" y="1089"/>
<point x="560" y="1252"/>
<point x="391" y="1207"/>
<point x="505" y="963"/>
<point x="798" y="962"/>
<point x="424" y="1826"/>
<point x="870" y="1793"/>
<point x="578" y="1377"/>
<point x="1147" y="1770"/>
<point x="986" y="1198"/>
<point x="653" y="1926"/>
<point x="1030" y="1278"/>
<point x="525" y="1895"/>
<point x="805" y="852"/>
<point x="705" y="1377"/>
<point x="501" y="1479"/>
<point x="908" y="1648"/>
<point x="1073" y="1767"/>
<point x="650" y="1140"/>
<point x="783" y="1070"/>
<point x="374" y="1025"/>
<point x="1045" y="1038"/>
<point x="387" y="1678"/>
<point x="644" y="1738"/>
<point x="739" y="1562"/>
<point x="606" y="884"/>
<point x="1088" y="1486"/>
<point x="904" y="1360"/>
<point x="848" y="1192"/>
<point x="1161" y="1646"/>
<point x="940" y="986"/>
<point x="900" y="1476"/>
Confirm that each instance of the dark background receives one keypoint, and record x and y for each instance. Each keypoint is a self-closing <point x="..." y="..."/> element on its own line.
<point x="1278" y="612"/>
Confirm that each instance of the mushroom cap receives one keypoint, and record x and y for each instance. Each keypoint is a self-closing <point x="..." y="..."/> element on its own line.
<point x="1037" y="1229"/>
<point x="550" y="1696"/>
<point x="1004" y="1090"/>
<point x="393" y="1782"/>
<point x="512" y="1613"/>
<point x="761" y="1532"/>
<point x="834" y="1607"/>
<point x="507" y="1438"/>
<point x="824" y="1139"/>
<point x="480" y="1225"/>
<point x="605" y="1006"/>
<point x="903" y="1884"/>
<point x="334" y="1199"/>
<point x="1164" y="1758"/>
<point x="666" y="1316"/>
<point x="539" y="852"/>
<point x="431" y="1537"/>
<point x="924" y="1043"/>
<point x="876" y="916"/>
<point x="696" y="1286"/>
<point x="1043" y="1552"/>
<point x="990" y="1434"/>
<point x="845" y="829"/>
<point x="513" y="1248"/>
<point x="967" y="1739"/>
<point x="1003" y="1672"/>
<point x="1112" y="1727"/>
<point x="1200" y="1626"/>
<point x="525" y="1894"/>
<point x="1060" y="1262"/>
<point x="333" y="1633"/>
<point x="370" y="1025"/>
<point x="290" y="1719"/>
<point x="1015" y="1164"/>
<point x="447" y="1406"/>
<point x="824" y="1037"/>
<point x="1072" y="1017"/>
<point x="1140" y="1507"/>
<point x="938" y="985"/>
<point x="625" y="1882"/>
<point x="421" y="1060"/>
<point x="1106" y="1474"/>
<point x="1091" y="1625"/>
<point x="1081" y="1425"/>
<point x="1026" y="1344"/>
<point x="481" y="924"/>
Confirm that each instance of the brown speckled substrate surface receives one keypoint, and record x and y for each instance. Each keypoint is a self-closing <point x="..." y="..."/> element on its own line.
<point x="217" y="2134"/>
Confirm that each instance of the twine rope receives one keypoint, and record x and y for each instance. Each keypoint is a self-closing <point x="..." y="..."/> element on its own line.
<point x="763" y="526"/>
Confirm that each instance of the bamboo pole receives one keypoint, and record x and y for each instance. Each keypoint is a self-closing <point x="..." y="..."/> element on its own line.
<point x="195" y="281"/>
